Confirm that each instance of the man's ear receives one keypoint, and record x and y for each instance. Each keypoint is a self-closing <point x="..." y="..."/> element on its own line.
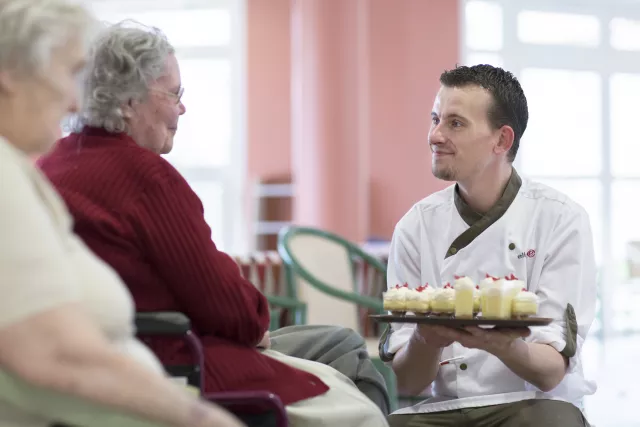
<point x="505" y="141"/>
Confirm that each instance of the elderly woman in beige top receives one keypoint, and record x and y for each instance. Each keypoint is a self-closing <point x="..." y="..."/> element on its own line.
<point x="65" y="317"/>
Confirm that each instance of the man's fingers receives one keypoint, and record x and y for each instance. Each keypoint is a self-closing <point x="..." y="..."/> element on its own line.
<point x="518" y="332"/>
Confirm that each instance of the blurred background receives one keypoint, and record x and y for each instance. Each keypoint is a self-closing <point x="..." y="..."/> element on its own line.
<point x="316" y="112"/>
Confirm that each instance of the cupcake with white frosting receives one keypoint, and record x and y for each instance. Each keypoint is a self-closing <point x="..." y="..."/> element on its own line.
<point x="444" y="300"/>
<point x="524" y="304"/>
<point x="395" y="299"/>
<point x="418" y="300"/>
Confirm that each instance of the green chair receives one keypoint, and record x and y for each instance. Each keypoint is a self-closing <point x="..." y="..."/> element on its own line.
<point x="282" y="306"/>
<point x="321" y="271"/>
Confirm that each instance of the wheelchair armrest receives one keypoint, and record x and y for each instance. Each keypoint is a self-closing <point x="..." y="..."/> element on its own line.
<point x="162" y="323"/>
<point x="251" y="402"/>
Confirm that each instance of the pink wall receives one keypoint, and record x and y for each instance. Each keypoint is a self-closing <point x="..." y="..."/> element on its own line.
<point x="410" y="43"/>
<point x="268" y="88"/>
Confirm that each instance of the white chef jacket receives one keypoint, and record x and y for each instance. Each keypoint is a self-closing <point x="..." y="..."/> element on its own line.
<point x="539" y="235"/>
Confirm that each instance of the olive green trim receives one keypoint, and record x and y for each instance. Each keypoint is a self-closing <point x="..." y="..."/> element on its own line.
<point x="495" y="213"/>
<point x="383" y="345"/>
<point x="466" y="212"/>
<point x="572" y="332"/>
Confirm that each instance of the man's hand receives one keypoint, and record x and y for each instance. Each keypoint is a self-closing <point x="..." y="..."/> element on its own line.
<point x="265" y="342"/>
<point x="494" y="341"/>
<point x="433" y="336"/>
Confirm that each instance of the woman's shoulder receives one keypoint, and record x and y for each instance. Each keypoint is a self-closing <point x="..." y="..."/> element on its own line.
<point x="12" y="161"/>
<point x="156" y="170"/>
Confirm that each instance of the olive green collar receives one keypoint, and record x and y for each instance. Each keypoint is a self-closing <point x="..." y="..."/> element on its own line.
<point x="478" y="222"/>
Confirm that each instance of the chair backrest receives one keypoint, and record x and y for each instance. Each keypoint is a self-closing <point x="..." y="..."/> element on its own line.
<point x="321" y="267"/>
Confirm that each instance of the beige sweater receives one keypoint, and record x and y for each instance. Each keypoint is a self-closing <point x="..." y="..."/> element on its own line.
<point x="44" y="265"/>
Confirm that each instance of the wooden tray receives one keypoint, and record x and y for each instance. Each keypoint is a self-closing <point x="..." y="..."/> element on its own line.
<point x="460" y="323"/>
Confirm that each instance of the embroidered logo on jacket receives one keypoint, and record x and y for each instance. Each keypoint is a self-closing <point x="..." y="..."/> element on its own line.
<point x="529" y="254"/>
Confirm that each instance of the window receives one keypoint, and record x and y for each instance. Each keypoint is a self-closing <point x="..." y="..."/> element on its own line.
<point x="625" y="147"/>
<point x="560" y="103"/>
<point x="625" y="34"/>
<point x="558" y="28"/>
<point x="208" y="36"/>
<point x="207" y="98"/>
<point x="484" y="58"/>
<point x="483" y="25"/>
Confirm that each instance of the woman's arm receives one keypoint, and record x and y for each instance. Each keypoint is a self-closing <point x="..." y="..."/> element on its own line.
<point x="169" y="219"/>
<point x="62" y="351"/>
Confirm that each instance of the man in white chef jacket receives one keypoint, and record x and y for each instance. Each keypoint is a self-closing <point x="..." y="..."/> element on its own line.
<point x="492" y="222"/>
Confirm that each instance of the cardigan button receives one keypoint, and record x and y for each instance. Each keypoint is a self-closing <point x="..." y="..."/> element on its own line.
<point x="512" y="246"/>
<point x="453" y="251"/>
<point x="463" y="366"/>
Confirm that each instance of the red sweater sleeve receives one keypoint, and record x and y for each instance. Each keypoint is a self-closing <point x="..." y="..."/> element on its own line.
<point x="206" y="282"/>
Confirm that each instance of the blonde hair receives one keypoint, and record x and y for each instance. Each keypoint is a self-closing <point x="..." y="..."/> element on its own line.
<point x="123" y="62"/>
<point x="31" y="29"/>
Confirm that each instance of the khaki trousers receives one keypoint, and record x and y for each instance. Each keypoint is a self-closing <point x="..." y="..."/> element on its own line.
<point x="526" y="413"/>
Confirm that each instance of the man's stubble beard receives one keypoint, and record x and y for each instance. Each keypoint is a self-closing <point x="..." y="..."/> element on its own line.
<point x="445" y="174"/>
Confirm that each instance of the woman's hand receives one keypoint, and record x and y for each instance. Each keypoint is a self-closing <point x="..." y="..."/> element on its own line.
<point x="265" y="342"/>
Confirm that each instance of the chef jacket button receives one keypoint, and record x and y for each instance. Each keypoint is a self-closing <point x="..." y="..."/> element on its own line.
<point x="512" y="246"/>
<point x="453" y="251"/>
<point x="463" y="366"/>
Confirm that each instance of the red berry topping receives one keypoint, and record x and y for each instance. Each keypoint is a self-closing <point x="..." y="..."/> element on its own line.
<point x="406" y="285"/>
<point x="448" y="285"/>
<point x="455" y="276"/>
<point x="478" y="287"/>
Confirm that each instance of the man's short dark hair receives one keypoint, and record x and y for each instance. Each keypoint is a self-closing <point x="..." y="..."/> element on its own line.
<point x="509" y="103"/>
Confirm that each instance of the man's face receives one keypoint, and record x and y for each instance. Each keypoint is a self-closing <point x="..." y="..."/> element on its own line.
<point x="461" y="138"/>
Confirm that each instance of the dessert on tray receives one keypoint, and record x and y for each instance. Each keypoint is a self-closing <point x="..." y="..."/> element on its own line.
<point x="419" y="300"/>
<point x="524" y="304"/>
<point x="463" y="289"/>
<point x="395" y="299"/>
<point x="444" y="300"/>
<point x="498" y="297"/>
<point x="476" y="300"/>
<point x="492" y="298"/>
<point x="484" y="284"/>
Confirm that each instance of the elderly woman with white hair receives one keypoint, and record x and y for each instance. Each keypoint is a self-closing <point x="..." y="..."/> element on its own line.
<point x="139" y="214"/>
<point x="67" y="347"/>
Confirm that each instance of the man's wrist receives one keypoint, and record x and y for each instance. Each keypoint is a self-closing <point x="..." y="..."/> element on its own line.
<point x="515" y="349"/>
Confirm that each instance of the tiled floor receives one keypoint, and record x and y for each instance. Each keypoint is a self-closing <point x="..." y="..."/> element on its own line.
<point x="615" y="365"/>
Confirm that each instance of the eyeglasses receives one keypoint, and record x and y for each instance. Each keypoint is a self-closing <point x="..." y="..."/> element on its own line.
<point x="177" y="96"/>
